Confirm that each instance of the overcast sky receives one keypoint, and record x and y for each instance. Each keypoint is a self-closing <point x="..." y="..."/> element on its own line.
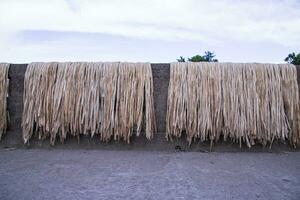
<point x="148" y="30"/>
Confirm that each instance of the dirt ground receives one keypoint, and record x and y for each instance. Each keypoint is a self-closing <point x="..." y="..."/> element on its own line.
<point x="100" y="174"/>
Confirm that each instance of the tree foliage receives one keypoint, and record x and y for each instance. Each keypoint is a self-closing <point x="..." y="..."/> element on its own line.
<point x="181" y="59"/>
<point x="207" y="57"/>
<point x="197" y="58"/>
<point x="292" y="58"/>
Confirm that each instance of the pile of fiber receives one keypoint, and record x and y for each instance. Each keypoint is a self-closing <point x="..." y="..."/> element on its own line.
<point x="109" y="99"/>
<point x="4" y="81"/>
<point x="246" y="103"/>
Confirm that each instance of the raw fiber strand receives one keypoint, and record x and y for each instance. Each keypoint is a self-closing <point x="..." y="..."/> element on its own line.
<point x="4" y="83"/>
<point x="246" y="103"/>
<point x="134" y="88"/>
<point x="109" y="99"/>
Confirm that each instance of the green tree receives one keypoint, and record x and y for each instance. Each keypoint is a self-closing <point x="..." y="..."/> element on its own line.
<point x="181" y="59"/>
<point x="292" y="58"/>
<point x="197" y="58"/>
<point x="207" y="57"/>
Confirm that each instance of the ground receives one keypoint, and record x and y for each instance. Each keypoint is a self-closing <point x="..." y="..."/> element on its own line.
<point x="37" y="174"/>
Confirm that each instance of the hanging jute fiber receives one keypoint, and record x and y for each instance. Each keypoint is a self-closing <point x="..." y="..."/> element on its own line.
<point x="245" y="103"/>
<point x="4" y="82"/>
<point x="109" y="99"/>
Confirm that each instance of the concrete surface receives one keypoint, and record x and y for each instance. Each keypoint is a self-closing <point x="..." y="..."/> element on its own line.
<point x="158" y="143"/>
<point x="94" y="174"/>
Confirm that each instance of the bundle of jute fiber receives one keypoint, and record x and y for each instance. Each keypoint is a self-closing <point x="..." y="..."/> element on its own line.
<point x="290" y="93"/>
<point x="240" y="102"/>
<point x="247" y="103"/>
<point x="109" y="99"/>
<point x="4" y="82"/>
<point x="194" y="101"/>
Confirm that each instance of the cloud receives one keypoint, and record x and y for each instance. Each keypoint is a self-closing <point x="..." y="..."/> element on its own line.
<point x="205" y="21"/>
<point x="277" y="21"/>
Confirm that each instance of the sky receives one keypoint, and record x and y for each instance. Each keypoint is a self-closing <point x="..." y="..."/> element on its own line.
<point x="148" y="30"/>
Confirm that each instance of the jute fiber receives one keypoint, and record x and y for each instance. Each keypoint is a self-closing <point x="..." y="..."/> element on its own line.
<point x="108" y="99"/>
<point x="4" y="82"/>
<point x="245" y="103"/>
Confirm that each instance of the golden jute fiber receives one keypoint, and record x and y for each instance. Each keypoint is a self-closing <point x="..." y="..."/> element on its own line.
<point x="108" y="99"/>
<point x="246" y="103"/>
<point x="4" y="83"/>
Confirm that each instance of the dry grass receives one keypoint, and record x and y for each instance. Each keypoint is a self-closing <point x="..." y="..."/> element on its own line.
<point x="109" y="99"/>
<point x="4" y="82"/>
<point x="246" y="103"/>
